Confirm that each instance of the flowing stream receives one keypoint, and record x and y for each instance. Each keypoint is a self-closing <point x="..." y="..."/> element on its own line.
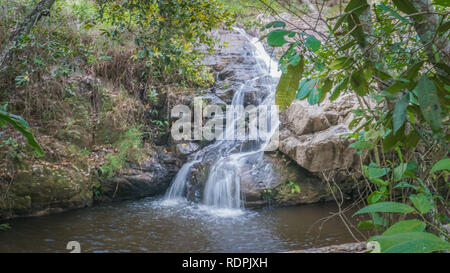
<point x="222" y="190"/>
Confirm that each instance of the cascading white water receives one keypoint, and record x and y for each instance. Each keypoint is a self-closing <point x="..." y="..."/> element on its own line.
<point x="223" y="185"/>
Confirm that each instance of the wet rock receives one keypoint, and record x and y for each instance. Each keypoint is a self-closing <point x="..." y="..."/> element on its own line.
<point x="150" y="178"/>
<point x="196" y="181"/>
<point x="278" y="181"/>
<point x="185" y="149"/>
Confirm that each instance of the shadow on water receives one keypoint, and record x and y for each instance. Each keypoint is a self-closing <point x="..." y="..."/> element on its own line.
<point x="150" y="225"/>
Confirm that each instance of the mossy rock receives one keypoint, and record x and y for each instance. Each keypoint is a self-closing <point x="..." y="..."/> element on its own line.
<point x="43" y="188"/>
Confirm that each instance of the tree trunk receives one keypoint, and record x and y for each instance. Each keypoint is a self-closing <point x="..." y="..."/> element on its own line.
<point x="426" y="28"/>
<point x="40" y="9"/>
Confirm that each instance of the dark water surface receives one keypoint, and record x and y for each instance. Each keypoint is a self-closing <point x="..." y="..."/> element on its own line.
<point x="150" y="225"/>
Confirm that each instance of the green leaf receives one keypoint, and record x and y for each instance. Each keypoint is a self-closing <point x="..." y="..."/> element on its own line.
<point x="359" y="83"/>
<point x="429" y="102"/>
<point x="445" y="3"/>
<point x="314" y="95"/>
<point x="376" y="172"/>
<point x="274" y="24"/>
<point x="399" y="116"/>
<point x="393" y="12"/>
<point x="361" y="145"/>
<point x="386" y="207"/>
<point x="312" y="43"/>
<point x="374" y="197"/>
<point x="366" y="224"/>
<point x="410" y="242"/>
<point x="338" y="89"/>
<point x="405" y="185"/>
<point x="399" y="171"/>
<point x="406" y="226"/>
<point x="396" y="87"/>
<point x="405" y="5"/>
<point x="341" y="63"/>
<point x="327" y="85"/>
<point x="443" y="164"/>
<point x="305" y="87"/>
<point x="421" y="202"/>
<point x="276" y="37"/>
<point x="287" y="86"/>
<point x="302" y="91"/>
<point x="22" y="126"/>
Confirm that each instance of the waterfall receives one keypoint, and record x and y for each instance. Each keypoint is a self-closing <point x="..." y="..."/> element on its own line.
<point x="223" y="186"/>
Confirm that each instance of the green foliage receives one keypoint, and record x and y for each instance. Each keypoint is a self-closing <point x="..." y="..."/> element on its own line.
<point x="174" y="49"/>
<point x="129" y="149"/>
<point x="22" y="126"/>
<point x="443" y="164"/>
<point x="386" y="207"/>
<point x="410" y="242"/>
<point x="5" y="226"/>
<point x="294" y="188"/>
<point x="388" y="62"/>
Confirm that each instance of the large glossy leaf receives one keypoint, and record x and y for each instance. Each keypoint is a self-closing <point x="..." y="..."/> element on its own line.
<point x="287" y="86"/>
<point x="305" y="87"/>
<point x="311" y="42"/>
<point x="386" y="207"/>
<point x="314" y="95"/>
<point x="276" y="37"/>
<point x="406" y="226"/>
<point x="22" y="126"/>
<point x="443" y="164"/>
<point x="421" y="202"/>
<point x="410" y="242"/>
<point x="400" y="112"/>
<point x="429" y="102"/>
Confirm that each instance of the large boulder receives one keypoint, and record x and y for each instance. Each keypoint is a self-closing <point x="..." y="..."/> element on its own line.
<point x="276" y="180"/>
<point x="313" y="136"/>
